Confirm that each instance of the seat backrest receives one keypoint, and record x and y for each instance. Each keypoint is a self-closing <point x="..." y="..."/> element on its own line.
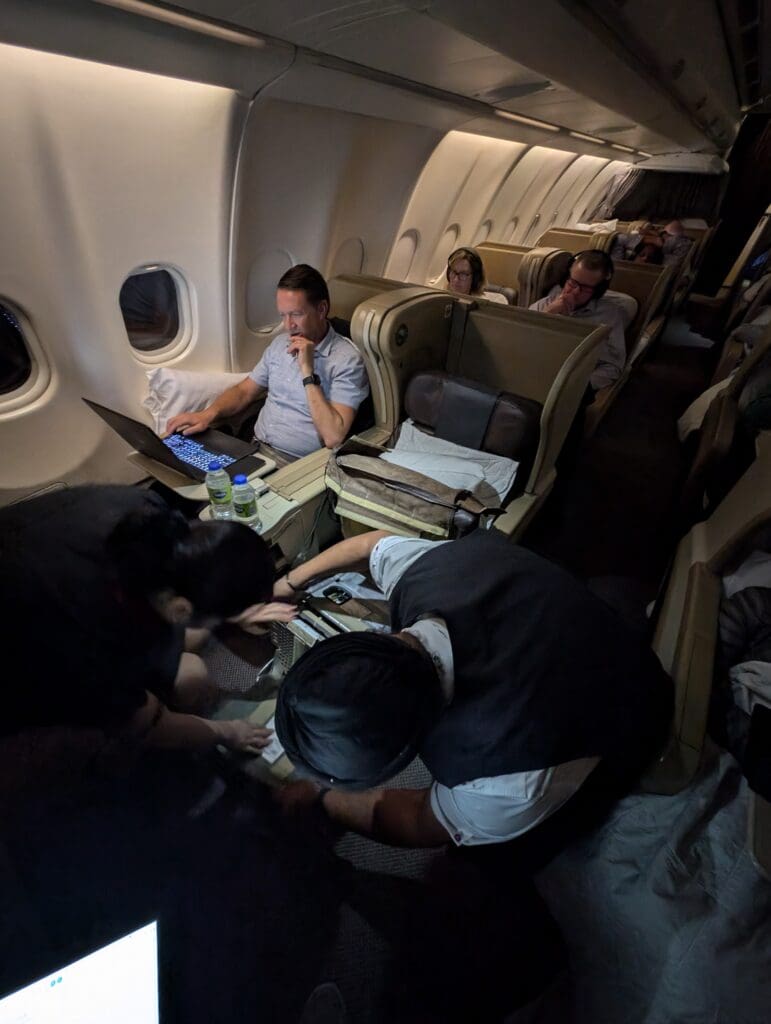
<point x="647" y="284"/>
<point x="541" y="268"/>
<point x="501" y="262"/>
<point x="547" y="359"/>
<point x="346" y="291"/>
<point x="577" y="239"/>
<point x="476" y="416"/>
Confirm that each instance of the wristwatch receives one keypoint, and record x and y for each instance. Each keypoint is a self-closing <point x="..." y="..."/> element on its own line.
<point x="313" y="379"/>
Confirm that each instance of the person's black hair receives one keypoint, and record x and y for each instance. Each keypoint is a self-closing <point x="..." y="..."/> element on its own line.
<point x="352" y="712"/>
<point x="304" y="278"/>
<point x="593" y="259"/>
<point x="475" y="262"/>
<point x="220" y="567"/>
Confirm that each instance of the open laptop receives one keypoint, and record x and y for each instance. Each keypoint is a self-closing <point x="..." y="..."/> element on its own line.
<point x="118" y="983"/>
<point x="188" y="455"/>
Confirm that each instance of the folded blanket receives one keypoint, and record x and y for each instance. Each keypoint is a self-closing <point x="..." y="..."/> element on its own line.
<point x="488" y="477"/>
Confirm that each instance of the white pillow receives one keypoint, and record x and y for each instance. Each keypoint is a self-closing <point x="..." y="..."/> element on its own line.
<point x="174" y="391"/>
<point x="489" y="477"/>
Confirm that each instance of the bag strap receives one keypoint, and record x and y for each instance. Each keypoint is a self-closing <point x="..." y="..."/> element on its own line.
<point x="392" y="476"/>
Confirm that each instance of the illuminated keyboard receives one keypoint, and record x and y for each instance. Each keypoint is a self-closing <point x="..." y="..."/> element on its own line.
<point x="193" y="452"/>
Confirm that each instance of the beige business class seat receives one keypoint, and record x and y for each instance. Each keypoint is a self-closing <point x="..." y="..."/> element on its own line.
<point x="545" y="359"/>
<point x="686" y="632"/>
<point x="712" y="470"/>
<point x="577" y="240"/>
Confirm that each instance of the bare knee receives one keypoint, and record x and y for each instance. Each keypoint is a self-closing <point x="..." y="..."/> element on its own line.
<point x="195" y="639"/>
<point x="193" y="688"/>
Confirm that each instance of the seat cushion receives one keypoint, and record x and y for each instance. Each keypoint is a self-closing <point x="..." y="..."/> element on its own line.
<point x="476" y="416"/>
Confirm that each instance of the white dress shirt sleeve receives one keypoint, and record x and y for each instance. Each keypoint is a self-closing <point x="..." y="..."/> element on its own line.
<point x="391" y="557"/>
<point x="494" y="810"/>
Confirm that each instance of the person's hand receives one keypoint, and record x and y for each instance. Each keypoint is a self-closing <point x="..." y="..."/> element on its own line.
<point x="188" y="423"/>
<point x="252" y="619"/>
<point x="282" y="591"/>
<point x="303" y="348"/>
<point x="243" y="736"/>
<point x="563" y="305"/>
<point x="653" y="238"/>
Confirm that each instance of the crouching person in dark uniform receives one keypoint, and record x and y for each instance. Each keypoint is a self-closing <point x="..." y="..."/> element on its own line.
<point x="531" y="703"/>
<point x="97" y="587"/>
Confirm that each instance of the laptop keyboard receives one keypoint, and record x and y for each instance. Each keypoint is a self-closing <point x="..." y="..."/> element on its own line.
<point x="193" y="452"/>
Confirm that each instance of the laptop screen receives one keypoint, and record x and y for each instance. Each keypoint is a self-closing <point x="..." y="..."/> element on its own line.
<point x="118" y="983"/>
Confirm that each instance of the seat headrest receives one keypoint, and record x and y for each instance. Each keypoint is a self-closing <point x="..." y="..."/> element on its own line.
<point x="476" y="416"/>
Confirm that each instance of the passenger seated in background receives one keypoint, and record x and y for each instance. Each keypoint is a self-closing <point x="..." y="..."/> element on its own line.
<point x="314" y="378"/>
<point x="671" y="241"/>
<point x="526" y="697"/>
<point x="466" y="275"/>
<point x="581" y="294"/>
<point x="97" y="585"/>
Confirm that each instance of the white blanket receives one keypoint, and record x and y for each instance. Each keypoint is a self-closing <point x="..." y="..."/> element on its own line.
<point x="488" y="477"/>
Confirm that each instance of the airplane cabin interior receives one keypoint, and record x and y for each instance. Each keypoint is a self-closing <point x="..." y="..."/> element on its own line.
<point x="446" y="169"/>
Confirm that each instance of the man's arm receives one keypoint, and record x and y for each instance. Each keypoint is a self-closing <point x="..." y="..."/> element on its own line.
<point x="155" y="726"/>
<point x="352" y="553"/>
<point x="229" y="403"/>
<point x="332" y="420"/>
<point x="397" y="817"/>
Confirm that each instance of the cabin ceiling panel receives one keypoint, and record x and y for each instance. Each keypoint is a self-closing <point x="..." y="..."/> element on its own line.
<point x="615" y="68"/>
<point x="98" y="32"/>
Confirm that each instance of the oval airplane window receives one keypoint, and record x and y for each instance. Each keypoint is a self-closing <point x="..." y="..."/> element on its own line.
<point x="15" y="358"/>
<point x="349" y="258"/>
<point x="149" y="302"/>
<point x="268" y="266"/>
<point x="404" y="253"/>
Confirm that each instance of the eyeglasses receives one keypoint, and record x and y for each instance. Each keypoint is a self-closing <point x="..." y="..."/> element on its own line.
<point x="579" y="287"/>
<point x="462" y="275"/>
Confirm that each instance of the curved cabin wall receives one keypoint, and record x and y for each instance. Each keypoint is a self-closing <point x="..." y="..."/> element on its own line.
<point x="105" y="170"/>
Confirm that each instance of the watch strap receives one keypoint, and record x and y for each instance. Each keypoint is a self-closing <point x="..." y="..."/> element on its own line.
<point x="312" y="379"/>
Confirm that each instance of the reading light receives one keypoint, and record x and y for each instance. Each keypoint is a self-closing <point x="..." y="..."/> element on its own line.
<point x="180" y="19"/>
<point x="589" y="138"/>
<point x="624" y="149"/>
<point x="530" y="121"/>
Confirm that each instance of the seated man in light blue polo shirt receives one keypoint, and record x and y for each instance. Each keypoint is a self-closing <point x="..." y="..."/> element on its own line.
<point x="314" y="377"/>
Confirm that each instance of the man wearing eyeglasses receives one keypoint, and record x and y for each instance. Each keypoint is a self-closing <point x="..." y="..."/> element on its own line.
<point x="582" y="294"/>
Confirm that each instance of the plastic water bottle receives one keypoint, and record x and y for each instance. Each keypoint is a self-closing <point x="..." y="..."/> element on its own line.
<point x="220" y="491"/>
<point x="245" y="502"/>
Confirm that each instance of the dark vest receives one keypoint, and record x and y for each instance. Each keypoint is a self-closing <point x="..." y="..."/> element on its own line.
<point x="545" y="672"/>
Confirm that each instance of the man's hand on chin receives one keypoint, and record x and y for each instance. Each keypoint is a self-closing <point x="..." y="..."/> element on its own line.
<point x="303" y="348"/>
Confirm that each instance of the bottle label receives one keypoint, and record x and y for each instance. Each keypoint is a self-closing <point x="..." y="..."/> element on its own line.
<point x="245" y="508"/>
<point x="219" y="495"/>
